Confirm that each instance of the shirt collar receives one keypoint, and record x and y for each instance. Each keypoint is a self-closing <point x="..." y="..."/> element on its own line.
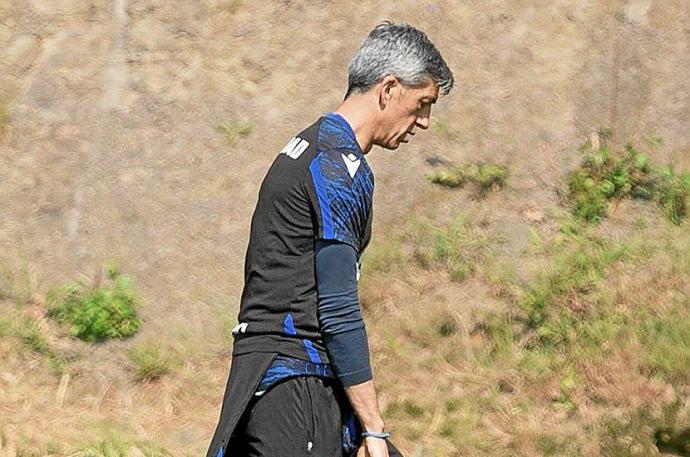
<point x="342" y="122"/>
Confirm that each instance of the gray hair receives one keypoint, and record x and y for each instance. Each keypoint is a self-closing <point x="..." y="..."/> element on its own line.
<point x="399" y="50"/>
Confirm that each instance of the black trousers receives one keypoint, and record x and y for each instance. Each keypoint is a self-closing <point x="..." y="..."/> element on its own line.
<point x="300" y="416"/>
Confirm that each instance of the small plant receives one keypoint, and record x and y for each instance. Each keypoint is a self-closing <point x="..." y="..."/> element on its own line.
<point x="18" y="286"/>
<point x="233" y="131"/>
<point x="405" y="407"/>
<point x="484" y="176"/>
<point x="30" y="334"/>
<point x="446" y="327"/>
<point x="498" y="328"/>
<point x="33" y="338"/>
<point x="97" y="313"/>
<point x="117" y="447"/>
<point x="564" y="399"/>
<point x="457" y="248"/>
<point x="605" y="175"/>
<point x="151" y="361"/>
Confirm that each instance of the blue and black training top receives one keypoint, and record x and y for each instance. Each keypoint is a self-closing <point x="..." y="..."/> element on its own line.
<point x="320" y="187"/>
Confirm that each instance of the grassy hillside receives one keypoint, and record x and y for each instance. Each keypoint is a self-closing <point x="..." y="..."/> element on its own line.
<point x="522" y="295"/>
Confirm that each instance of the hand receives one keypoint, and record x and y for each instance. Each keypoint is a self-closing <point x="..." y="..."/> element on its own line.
<point x="374" y="447"/>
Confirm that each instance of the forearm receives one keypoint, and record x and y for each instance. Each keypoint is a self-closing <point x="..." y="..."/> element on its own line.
<point x="343" y="329"/>
<point x="365" y="403"/>
<point x="340" y="316"/>
<point x="349" y="354"/>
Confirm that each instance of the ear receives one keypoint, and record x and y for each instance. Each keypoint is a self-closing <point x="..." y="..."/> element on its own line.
<point x="387" y="87"/>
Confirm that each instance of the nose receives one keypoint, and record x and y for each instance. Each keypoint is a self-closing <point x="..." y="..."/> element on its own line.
<point x="423" y="117"/>
<point x="422" y="122"/>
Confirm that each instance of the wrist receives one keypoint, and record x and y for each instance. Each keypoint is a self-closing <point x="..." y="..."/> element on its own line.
<point x="374" y="426"/>
<point x="376" y="435"/>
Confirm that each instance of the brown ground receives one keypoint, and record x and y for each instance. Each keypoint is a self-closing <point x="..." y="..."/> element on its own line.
<point x="111" y="152"/>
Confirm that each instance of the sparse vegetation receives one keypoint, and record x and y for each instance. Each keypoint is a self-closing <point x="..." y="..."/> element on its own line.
<point x="18" y="286"/>
<point x="405" y="407"/>
<point x="95" y="313"/>
<point x="26" y="331"/>
<point x="233" y="131"/>
<point x="643" y="432"/>
<point x="32" y="337"/>
<point x="107" y="438"/>
<point x="594" y="300"/>
<point x="457" y="248"/>
<point x="554" y="298"/>
<point x="573" y="313"/>
<point x="567" y="309"/>
<point x="485" y="177"/>
<point x="152" y="361"/>
<point x="605" y="175"/>
<point x="121" y="447"/>
<point x="551" y="444"/>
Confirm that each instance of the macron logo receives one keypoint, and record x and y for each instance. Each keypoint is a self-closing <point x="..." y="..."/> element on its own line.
<point x="352" y="163"/>
<point x="295" y="147"/>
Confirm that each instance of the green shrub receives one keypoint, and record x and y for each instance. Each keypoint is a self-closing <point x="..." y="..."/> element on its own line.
<point x="453" y="177"/>
<point x="96" y="314"/>
<point x="604" y="175"/>
<point x="151" y="361"/>
<point x="233" y="131"/>
<point x="485" y="176"/>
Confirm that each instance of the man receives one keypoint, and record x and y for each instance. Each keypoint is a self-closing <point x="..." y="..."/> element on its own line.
<point x="300" y="365"/>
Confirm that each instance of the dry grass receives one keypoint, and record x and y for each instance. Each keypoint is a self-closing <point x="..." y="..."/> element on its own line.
<point x="152" y="181"/>
<point x="152" y="361"/>
<point x="548" y="383"/>
<point x="18" y="284"/>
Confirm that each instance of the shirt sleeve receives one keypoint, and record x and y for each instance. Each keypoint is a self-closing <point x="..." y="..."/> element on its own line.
<point x="340" y="316"/>
<point x="341" y="188"/>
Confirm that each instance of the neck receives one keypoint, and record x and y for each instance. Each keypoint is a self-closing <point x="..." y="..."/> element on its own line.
<point x="357" y="112"/>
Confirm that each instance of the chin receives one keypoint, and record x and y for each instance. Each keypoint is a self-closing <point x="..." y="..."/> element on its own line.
<point x="391" y="146"/>
<point x="388" y="146"/>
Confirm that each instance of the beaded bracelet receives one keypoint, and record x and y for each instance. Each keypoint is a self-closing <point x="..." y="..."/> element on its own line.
<point x="381" y="435"/>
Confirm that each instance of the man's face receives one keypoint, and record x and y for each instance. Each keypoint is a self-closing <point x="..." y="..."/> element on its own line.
<point x="407" y="108"/>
